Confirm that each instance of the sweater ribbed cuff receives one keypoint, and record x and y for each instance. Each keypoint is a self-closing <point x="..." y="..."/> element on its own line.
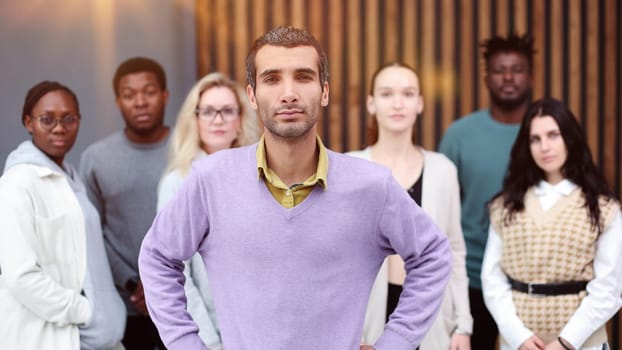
<point x="390" y="340"/>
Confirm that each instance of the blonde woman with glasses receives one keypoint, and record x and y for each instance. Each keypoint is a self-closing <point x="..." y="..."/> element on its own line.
<point x="216" y="115"/>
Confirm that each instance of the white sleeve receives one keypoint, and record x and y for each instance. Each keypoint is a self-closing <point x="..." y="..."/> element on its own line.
<point x="498" y="294"/>
<point x="168" y="186"/>
<point x="603" y="292"/>
<point x="198" y="303"/>
<point x="32" y="282"/>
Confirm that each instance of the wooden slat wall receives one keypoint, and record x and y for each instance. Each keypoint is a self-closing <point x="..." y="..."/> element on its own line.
<point x="579" y="57"/>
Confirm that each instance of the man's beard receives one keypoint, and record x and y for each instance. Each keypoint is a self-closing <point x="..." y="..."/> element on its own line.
<point x="294" y="129"/>
<point x="513" y="103"/>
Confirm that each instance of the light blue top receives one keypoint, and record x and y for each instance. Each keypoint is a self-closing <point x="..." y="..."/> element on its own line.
<point x="480" y="148"/>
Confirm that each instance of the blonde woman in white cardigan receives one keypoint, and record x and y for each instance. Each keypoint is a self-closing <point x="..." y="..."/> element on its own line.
<point x="431" y="179"/>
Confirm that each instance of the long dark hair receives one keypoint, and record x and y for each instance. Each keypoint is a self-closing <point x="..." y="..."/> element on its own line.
<point x="579" y="167"/>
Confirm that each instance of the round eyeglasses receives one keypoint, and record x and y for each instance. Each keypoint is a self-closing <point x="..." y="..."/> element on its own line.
<point x="209" y="114"/>
<point x="68" y="122"/>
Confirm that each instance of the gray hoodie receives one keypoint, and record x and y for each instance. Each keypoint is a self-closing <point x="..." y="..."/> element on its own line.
<point x="108" y="322"/>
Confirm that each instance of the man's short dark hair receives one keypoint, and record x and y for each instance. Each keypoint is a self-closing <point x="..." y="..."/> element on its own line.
<point x="521" y="44"/>
<point x="136" y="65"/>
<point x="285" y="36"/>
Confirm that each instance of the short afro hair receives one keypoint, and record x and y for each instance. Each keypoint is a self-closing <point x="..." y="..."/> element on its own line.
<point x="521" y="44"/>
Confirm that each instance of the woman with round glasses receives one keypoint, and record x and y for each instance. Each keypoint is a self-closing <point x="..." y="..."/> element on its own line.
<point x="56" y="289"/>
<point x="216" y="115"/>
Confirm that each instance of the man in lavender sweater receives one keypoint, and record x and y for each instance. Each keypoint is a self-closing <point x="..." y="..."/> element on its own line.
<point x="292" y="234"/>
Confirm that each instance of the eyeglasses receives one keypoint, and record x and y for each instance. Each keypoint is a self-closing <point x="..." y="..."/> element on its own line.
<point x="209" y="114"/>
<point x="69" y="122"/>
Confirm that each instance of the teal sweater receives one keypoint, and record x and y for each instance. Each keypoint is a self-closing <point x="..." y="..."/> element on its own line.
<point x="480" y="148"/>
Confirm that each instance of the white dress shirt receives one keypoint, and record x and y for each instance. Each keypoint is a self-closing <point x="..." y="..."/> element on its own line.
<point x="603" y="292"/>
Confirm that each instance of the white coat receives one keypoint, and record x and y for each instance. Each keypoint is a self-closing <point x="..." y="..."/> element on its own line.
<point x="42" y="261"/>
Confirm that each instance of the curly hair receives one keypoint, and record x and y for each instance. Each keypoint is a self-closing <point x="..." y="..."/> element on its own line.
<point x="522" y="44"/>
<point x="578" y="168"/>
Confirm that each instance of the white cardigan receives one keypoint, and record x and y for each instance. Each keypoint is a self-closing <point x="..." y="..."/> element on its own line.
<point x="42" y="261"/>
<point x="440" y="198"/>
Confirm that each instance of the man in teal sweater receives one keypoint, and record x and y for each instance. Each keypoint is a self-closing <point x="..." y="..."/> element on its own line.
<point x="479" y="144"/>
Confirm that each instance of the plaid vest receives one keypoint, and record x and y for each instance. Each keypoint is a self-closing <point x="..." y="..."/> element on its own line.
<point x="557" y="245"/>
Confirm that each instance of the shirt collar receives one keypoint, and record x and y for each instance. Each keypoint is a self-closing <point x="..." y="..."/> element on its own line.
<point x="321" y="173"/>
<point x="564" y="187"/>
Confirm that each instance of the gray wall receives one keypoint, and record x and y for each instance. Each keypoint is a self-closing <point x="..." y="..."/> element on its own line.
<point x="80" y="43"/>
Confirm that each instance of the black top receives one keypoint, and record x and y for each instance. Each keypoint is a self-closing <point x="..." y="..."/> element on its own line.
<point x="395" y="290"/>
<point x="415" y="190"/>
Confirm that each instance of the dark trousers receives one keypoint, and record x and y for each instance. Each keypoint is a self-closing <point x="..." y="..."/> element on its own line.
<point x="485" y="331"/>
<point x="141" y="334"/>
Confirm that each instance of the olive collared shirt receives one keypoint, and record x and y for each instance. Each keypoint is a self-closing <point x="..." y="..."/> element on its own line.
<point x="290" y="196"/>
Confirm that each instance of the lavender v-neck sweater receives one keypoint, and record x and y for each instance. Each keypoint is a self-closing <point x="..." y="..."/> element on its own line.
<point x="294" y="278"/>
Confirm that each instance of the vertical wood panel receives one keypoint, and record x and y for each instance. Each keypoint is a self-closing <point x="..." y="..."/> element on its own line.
<point x="591" y="85"/>
<point x="259" y="18"/>
<point x="609" y="92"/>
<point x="556" y="51"/>
<point x="469" y="53"/>
<point x="279" y="13"/>
<point x="371" y="42"/>
<point x="298" y="14"/>
<point x="222" y="37"/>
<point x="428" y="75"/>
<point x="335" y="54"/>
<point x="447" y="73"/>
<point x="503" y="20"/>
<point x="538" y="30"/>
<point x="240" y="10"/>
<point x="409" y="33"/>
<point x="520" y="17"/>
<point x="391" y="32"/>
<point x="484" y="31"/>
<point x="355" y="95"/>
<point x="202" y="26"/>
<point x="575" y="85"/>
